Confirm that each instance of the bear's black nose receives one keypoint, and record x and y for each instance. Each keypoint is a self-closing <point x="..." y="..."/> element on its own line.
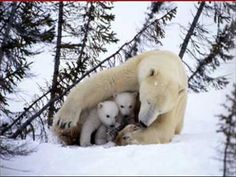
<point x="126" y="116"/>
<point x="143" y="124"/>
<point x="112" y="126"/>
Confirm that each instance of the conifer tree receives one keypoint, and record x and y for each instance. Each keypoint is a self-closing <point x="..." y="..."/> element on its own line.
<point x="228" y="129"/>
<point x="88" y="27"/>
<point x="207" y="50"/>
<point x="22" y="25"/>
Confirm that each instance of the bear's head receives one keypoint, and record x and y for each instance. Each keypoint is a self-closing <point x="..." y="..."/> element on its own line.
<point x="158" y="94"/>
<point x="107" y="113"/>
<point x="126" y="102"/>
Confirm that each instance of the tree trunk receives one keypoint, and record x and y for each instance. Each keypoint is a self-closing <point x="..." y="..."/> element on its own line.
<point x="7" y="30"/>
<point x="225" y="157"/>
<point x="90" y="17"/>
<point x="191" y="30"/>
<point x="57" y="63"/>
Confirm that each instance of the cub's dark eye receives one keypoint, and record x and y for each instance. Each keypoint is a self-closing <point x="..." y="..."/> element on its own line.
<point x="130" y="106"/>
<point x="122" y="106"/>
<point x="107" y="116"/>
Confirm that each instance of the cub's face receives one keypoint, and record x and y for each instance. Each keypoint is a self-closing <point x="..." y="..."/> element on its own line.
<point x="107" y="113"/>
<point x="158" y="95"/>
<point x="126" y="102"/>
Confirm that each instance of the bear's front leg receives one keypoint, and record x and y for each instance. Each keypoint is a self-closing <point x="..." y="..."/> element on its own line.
<point x="124" y="137"/>
<point x="159" y="132"/>
<point x="100" y="136"/>
<point x="69" y="114"/>
<point x="87" y="129"/>
<point x="65" y="119"/>
<point x="140" y="137"/>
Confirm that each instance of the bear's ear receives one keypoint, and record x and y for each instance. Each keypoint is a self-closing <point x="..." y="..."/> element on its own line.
<point x="100" y="105"/>
<point x="152" y="72"/>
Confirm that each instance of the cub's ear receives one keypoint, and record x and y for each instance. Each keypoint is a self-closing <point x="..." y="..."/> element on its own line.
<point x="115" y="95"/>
<point x="152" y="72"/>
<point x="100" y="105"/>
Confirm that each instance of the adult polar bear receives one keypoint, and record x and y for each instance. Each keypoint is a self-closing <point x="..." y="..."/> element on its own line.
<point x="161" y="81"/>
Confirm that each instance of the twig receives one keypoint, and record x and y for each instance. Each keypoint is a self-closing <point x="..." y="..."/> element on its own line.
<point x="14" y="169"/>
<point x="25" y="111"/>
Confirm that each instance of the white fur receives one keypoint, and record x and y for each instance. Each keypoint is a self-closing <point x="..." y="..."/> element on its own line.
<point x="126" y="101"/>
<point x="101" y="135"/>
<point x="98" y="119"/>
<point x="162" y="104"/>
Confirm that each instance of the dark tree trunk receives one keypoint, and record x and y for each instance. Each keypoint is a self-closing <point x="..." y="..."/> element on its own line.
<point x="191" y="30"/>
<point x="86" y="28"/>
<point x="225" y="160"/>
<point x="56" y="64"/>
<point x="7" y="30"/>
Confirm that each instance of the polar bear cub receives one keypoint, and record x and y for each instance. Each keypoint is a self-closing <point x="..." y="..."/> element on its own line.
<point x="99" y="118"/>
<point x="126" y="101"/>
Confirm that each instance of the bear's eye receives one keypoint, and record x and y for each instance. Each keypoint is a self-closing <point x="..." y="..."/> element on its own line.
<point x="121" y="106"/>
<point x="107" y="116"/>
<point x="130" y="106"/>
<point x="148" y="102"/>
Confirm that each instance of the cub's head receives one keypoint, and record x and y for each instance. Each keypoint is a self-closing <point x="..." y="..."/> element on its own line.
<point x="107" y="113"/>
<point x="158" y="95"/>
<point x="126" y="102"/>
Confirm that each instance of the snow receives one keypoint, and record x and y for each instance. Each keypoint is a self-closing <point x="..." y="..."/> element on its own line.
<point x="4" y="120"/>
<point x="194" y="152"/>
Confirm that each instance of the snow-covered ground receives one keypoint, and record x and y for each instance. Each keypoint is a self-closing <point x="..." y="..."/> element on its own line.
<point x="194" y="152"/>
